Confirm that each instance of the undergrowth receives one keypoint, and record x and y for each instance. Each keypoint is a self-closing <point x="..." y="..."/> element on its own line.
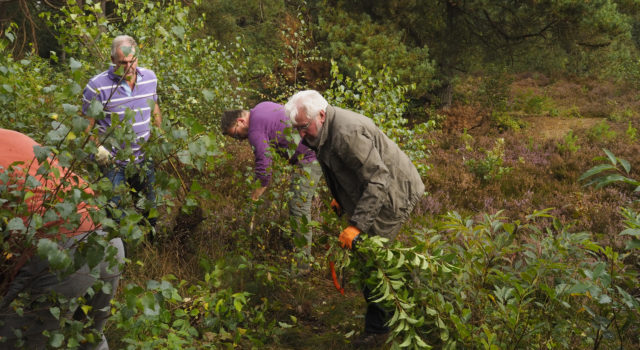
<point x="483" y="263"/>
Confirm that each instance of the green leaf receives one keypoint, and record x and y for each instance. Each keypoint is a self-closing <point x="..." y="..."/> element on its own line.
<point x="150" y="305"/>
<point x="178" y="31"/>
<point x="612" y="157"/>
<point x="80" y="123"/>
<point x="48" y="249"/>
<point x="87" y="308"/>
<point x="631" y="232"/>
<point x="95" y="109"/>
<point x="69" y="109"/>
<point x="578" y="288"/>
<point x="208" y="95"/>
<point x="195" y="126"/>
<point x="152" y="104"/>
<point x="55" y="311"/>
<point x="606" y="180"/>
<point x="237" y="303"/>
<point x="393" y="320"/>
<point x="440" y="323"/>
<point x="406" y="342"/>
<point x="604" y="299"/>
<point x="421" y="344"/>
<point x="596" y="170"/>
<point x="74" y="65"/>
<point x="16" y="224"/>
<point x="625" y="164"/>
<point x="56" y="340"/>
<point x="126" y="50"/>
<point x="633" y="244"/>
<point x="41" y="153"/>
<point x="400" y="260"/>
<point x="430" y="311"/>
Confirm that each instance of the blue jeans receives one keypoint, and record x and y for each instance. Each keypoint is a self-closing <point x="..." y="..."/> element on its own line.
<point x="140" y="185"/>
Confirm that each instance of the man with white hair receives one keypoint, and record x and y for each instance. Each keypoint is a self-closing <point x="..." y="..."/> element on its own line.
<point x="370" y="178"/>
<point x="127" y="89"/>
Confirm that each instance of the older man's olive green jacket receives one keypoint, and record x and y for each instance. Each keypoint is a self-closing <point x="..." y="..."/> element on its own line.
<point x="367" y="173"/>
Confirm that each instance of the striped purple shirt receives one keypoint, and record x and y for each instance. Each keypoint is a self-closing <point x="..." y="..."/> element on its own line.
<point x="117" y="98"/>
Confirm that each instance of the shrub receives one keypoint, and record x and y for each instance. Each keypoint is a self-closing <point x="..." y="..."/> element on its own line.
<point x="631" y="132"/>
<point x="496" y="284"/>
<point x="569" y="143"/>
<point x="157" y="316"/>
<point x="617" y="116"/>
<point x="490" y="167"/>
<point x="43" y="102"/>
<point x="503" y="121"/>
<point x="381" y="98"/>
<point x="601" y="132"/>
<point x="533" y="103"/>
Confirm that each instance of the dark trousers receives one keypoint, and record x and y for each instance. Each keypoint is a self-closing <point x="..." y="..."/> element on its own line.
<point x="23" y="330"/>
<point x="141" y="183"/>
<point x="376" y="317"/>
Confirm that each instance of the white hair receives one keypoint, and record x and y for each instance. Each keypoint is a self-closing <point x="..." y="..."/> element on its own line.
<point x="310" y="101"/>
<point x="120" y="41"/>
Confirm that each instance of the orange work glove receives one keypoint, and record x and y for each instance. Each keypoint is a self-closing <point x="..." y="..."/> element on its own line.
<point x="347" y="236"/>
<point x="336" y="207"/>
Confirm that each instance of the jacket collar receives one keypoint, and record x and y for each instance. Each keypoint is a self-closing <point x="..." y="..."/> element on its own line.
<point x="330" y="113"/>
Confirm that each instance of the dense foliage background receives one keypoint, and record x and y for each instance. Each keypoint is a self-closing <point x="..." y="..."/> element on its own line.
<point x="502" y="105"/>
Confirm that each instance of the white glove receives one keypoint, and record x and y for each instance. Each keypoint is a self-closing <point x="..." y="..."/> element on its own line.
<point x="103" y="156"/>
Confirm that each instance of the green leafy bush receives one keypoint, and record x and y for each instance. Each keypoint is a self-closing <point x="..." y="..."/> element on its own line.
<point x="569" y="143"/>
<point x="490" y="167"/>
<point x="616" y="171"/>
<point x="42" y="100"/>
<point x="158" y="317"/>
<point x="355" y="40"/>
<point x="503" y="121"/>
<point x="601" y="132"/>
<point x="380" y="97"/>
<point x="631" y="132"/>
<point x="495" y="284"/>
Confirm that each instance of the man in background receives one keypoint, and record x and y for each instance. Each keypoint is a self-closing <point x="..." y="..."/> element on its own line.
<point x="126" y="87"/>
<point x="370" y="178"/>
<point x="264" y="127"/>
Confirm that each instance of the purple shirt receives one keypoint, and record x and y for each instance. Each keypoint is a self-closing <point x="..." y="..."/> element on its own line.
<point x="267" y="122"/>
<point x="116" y="98"/>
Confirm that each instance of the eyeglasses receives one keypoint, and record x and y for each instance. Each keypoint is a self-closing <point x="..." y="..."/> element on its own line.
<point x="234" y="134"/>
<point x="124" y="61"/>
<point x="303" y="126"/>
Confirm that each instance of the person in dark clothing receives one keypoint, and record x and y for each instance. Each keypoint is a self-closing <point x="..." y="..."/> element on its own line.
<point x="370" y="178"/>
<point x="33" y="289"/>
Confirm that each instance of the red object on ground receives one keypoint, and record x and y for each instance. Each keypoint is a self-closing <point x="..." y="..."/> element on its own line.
<point x="335" y="278"/>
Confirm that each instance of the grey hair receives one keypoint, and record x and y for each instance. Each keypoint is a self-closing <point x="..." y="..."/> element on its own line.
<point x="122" y="40"/>
<point x="310" y="101"/>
